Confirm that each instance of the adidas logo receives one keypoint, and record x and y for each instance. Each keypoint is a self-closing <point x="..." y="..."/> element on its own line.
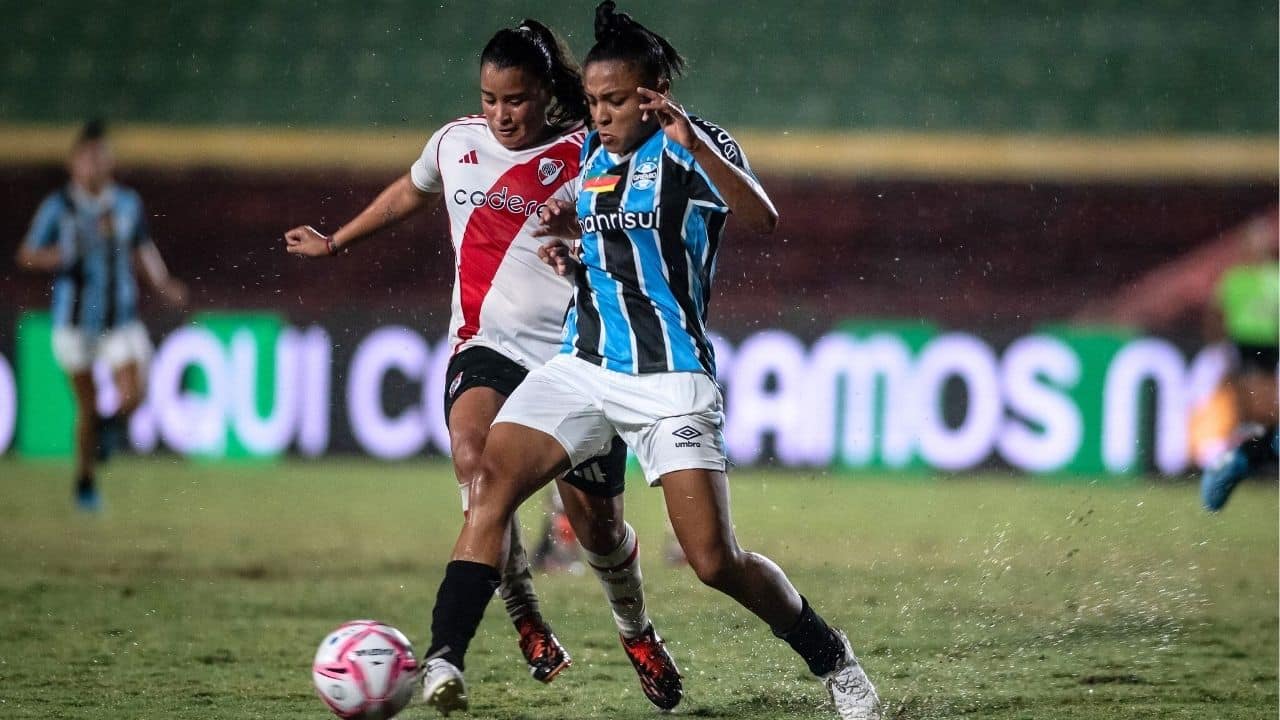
<point x="470" y="158"/>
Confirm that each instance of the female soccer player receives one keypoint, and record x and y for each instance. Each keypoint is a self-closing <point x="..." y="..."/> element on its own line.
<point x="90" y="234"/>
<point x="655" y="189"/>
<point x="494" y="172"/>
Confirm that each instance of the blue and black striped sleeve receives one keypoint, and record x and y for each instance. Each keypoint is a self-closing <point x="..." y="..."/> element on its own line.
<point x="142" y="228"/>
<point x="44" y="226"/>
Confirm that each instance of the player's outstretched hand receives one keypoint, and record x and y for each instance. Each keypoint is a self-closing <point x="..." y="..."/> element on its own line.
<point x="557" y="253"/>
<point x="558" y="218"/>
<point x="673" y="119"/>
<point x="307" y="241"/>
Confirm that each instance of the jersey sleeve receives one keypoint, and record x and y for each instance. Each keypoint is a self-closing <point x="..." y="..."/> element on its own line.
<point x="698" y="184"/>
<point x="44" y="226"/>
<point x="141" y="228"/>
<point x="719" y="139"/>
<point x="425" y="172"/>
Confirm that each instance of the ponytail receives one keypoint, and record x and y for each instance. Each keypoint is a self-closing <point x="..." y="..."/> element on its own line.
<point x="620" y="37"/>
<point x="535" y="48"/>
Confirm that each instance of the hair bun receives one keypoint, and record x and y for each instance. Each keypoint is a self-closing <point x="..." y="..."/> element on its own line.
<point x="608" y="22"/>
<point x="93" y="129"/>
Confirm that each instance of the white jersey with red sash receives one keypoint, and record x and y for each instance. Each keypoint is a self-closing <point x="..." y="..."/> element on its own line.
<point x="504" y="297"/>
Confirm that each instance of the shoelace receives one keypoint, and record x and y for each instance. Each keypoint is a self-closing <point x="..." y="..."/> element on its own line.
<point x="849" y="686"/>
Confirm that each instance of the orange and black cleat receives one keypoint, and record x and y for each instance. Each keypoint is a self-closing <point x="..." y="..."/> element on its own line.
<point x="659" y="676"/>
<point x="542" y="650"/>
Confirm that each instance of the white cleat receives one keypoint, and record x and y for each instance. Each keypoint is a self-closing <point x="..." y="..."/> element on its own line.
<point x="443" y="687"/>
<point x="851" y="690"/>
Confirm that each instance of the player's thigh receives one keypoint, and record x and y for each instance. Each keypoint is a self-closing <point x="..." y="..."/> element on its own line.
<point x="128" y="381"/>
<point x="478" y="381"/>
<point x="592" y="496"/>
<point x="518" y="461"/>
<point x="698" y="507"/>
<point x="127" y="345"/>
<point x="469" y="419"/>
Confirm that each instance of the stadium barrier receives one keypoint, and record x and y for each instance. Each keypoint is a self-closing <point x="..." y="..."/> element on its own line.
<point x="1062" y="401"/>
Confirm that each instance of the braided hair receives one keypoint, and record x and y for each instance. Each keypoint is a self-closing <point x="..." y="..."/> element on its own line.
<point x="620" y="37"/>
<point x="535" y="48"/>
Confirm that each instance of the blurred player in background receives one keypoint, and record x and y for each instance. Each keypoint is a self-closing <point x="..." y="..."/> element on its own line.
<point x="1246" y="308"/>
<point x="494" y="172"/>
<point x="655" y="190"/>
<point x="90" y="234"/>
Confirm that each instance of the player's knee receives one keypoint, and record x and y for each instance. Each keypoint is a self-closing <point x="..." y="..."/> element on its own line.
<point x="601" y="535"/>
<point x="716" y="567"/>
<point x="467" y="448"/>
<point x="494" y="485"/>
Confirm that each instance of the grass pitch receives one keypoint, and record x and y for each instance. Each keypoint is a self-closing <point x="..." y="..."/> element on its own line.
<point x="203" y="590"/>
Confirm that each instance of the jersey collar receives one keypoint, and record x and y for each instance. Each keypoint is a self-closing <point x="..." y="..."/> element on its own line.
<point x="99" y="203"/>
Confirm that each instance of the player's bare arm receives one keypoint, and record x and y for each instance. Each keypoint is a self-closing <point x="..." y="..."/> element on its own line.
<point x="400" y="199"/>
<point x="39" y="259"/>
<point x="747" y="199"/>
<point x="170" y="289"/>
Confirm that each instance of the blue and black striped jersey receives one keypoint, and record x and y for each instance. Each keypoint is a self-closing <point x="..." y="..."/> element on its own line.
<point x="651" y="225"/>
<point x="95" y="290"/>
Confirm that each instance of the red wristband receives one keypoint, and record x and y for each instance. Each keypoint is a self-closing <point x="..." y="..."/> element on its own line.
<point x="331" y="246"/>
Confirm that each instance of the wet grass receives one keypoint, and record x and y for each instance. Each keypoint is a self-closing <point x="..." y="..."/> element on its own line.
<point x="202" y="591"/>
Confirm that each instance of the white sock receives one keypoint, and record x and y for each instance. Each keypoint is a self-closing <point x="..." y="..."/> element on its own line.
<point x="619" y="573"/>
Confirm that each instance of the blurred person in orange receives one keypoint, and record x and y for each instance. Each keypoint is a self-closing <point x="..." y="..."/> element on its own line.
<point x="1245" y="310"/>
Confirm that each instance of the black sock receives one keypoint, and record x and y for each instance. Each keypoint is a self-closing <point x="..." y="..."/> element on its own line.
<point x="86" y="482"/>
<point x="1260" y="449"/>
<point x="464" y="593"/>
<point x="814" y="641"/>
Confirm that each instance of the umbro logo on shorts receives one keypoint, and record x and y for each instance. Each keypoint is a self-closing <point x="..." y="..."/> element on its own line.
<point x="469" y="159"/>
<point x="687" y="434"/>
<point x="453" y="386"/>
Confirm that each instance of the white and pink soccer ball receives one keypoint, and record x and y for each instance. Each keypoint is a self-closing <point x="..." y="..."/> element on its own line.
<point x="365" y="670"/>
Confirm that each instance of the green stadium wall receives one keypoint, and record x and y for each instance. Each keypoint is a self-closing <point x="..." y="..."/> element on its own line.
<point x="1107" y="67"/>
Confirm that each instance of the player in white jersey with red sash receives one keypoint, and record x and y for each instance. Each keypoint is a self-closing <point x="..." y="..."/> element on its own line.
<point x="494" y="172"/>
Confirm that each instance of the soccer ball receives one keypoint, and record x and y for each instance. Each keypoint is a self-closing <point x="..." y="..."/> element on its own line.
<point x="365" y="670"/>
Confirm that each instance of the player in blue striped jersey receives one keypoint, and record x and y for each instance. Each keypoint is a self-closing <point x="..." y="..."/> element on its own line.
<point x="90" y="234"/>
<point x="655" y="189"/>
<point x="651" y="222"/>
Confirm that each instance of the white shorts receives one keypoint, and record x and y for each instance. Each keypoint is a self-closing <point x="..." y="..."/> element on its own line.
<point x="672" y="421"/>
<point x="76" y="350"/>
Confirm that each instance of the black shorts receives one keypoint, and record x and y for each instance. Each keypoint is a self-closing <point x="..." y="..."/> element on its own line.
<point x="604" y="475"/>
<point x="1258" y="358"/>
